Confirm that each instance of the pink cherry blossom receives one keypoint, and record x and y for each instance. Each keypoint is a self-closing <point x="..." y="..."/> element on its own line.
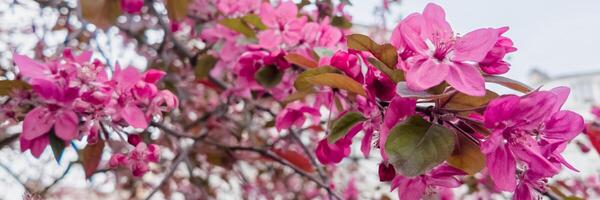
<point x="531" y="129"/>
<point x="294" y="115"/>
<point x="441" y="56"/>
<point x="414" y="188"/>
<point x="284" y="27"/>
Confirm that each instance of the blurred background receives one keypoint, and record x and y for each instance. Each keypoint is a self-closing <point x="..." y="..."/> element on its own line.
<point x="558" y="45"/>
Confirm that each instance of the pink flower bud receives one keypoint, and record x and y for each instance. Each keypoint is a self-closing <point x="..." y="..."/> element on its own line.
<point x="386" y="172"/>
<point x="134" y="139"/>
<point x="117" y="159"/>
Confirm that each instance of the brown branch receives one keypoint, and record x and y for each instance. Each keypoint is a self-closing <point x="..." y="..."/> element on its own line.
<point x="9" y="140"/>
<point x="182" y="156"/>
<point x="45" y="190"/>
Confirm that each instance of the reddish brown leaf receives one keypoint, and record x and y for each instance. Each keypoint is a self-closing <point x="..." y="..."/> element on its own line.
<point x="297" y="159"/>
<point x="90" y="157"/>
<point x="102" y="13"/>
<point x="301" y="61"/>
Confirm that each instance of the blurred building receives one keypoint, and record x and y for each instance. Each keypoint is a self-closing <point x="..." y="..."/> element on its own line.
<point x="585" y="89"/>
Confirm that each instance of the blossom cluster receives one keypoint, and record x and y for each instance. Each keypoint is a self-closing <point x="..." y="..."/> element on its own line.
<point x="419" y="102"/>
<point x="73" y="97"/>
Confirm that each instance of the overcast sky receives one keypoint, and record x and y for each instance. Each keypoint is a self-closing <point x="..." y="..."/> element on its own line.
<point x="559" y="37"/>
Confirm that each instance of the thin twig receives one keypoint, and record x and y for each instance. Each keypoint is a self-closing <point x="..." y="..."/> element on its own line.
<point x="58" y="179"/>
<point x="181" y="157"/>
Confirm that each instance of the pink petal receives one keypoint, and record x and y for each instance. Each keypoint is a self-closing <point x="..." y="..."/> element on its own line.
<point x="29" y="68"/>
<point x="127" y="77"/>
<point x="530" y="152"/>
<point x="563" y="126"/>
<point x="37" y="145"/>
<point x="475" y="45"/>
<point x="523" y="192"/>
<point x="411" y="189"/>
<point x="410" y="33"/>
<point x="500" y="110"/>
<point x="269" y="39"/>
<point x="501" y="166"/>
<point x="66" y="125"/>
<point x="536" y="107"/>
<point x="45" y="88"/>
<point x="562" y="93"/>
<point x="426" y="75"/>
<point x="153" y="75"/>
<point x="399" y="109"/>
<point x="286" y="11"/>
<point x="436" y="28"/>
<point x="365" y="145"/>
<point x="267" y="15"/>
<point x="466" y="79"/>
<point x="37" y="123"/>
<point x="134" y="116"/>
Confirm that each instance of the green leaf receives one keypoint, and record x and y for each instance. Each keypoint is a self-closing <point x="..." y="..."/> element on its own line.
<point x="394" y="74"/>
<point x="57" y="145"/>
<point x="204" y="64"/>
<point x="337" y="81"/>
<point x="90" y="157"/>
<point x="415" y="146"/>
<point x="386" y="53"/>
<point x="341" y="126"/>
<point x="302" y="84"/>
<point x="509" y="83"/>
<point x="238" y="25"/>
<point x="341" y="22"/>
<point x="7" y="86"/>
<point x="177" y="9"/>
<point x="255" y="21"/>
<point x="268" y="76"/>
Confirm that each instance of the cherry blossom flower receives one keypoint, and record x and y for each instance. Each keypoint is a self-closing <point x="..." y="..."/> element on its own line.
<point x="414" y="188"/>
<point x="531" y="129"/>
<point x="439" y="55"/>
<point x="284" y="27"/>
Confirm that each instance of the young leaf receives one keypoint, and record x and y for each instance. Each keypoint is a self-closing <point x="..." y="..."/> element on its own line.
<point x="415" y="146"/>
<point x="204" y="64"/>
<point x="301" y="83"/>
<point x="297" y="159"/>
<point x="238" y="25"/>
<point x="467" y="156"/>
<point x="7" y="86"/>
<point x="255" y="21"/>
<point x="102" y="13"/>
<point x="341" y="22"/>
<point x="337" y="81"/>
<point x="301" y="61"/>
<point x="395" y="75"/>
<point x="57" y="145"/>
<point x="385" y="53"/>
<point x="341" y="126"/>
<point x="268" y="76"/>
<point x="462" y="101"/>
<point x="177" y="9"/>
<point x="91" y="156"/>
<point x="509" y="83"/>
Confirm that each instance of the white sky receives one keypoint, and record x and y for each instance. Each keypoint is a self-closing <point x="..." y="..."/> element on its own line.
<point x="559" y="37"/>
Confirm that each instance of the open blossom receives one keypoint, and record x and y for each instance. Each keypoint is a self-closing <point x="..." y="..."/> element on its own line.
<point x="530" y="129"/>
<point x="294" y="115"/>
<point x="321" y="34"/>
<point x="284" y="26"/>
<point x="414" y="188"/>
<point x="137" y="160"/>
<point x="433" y="53"/>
